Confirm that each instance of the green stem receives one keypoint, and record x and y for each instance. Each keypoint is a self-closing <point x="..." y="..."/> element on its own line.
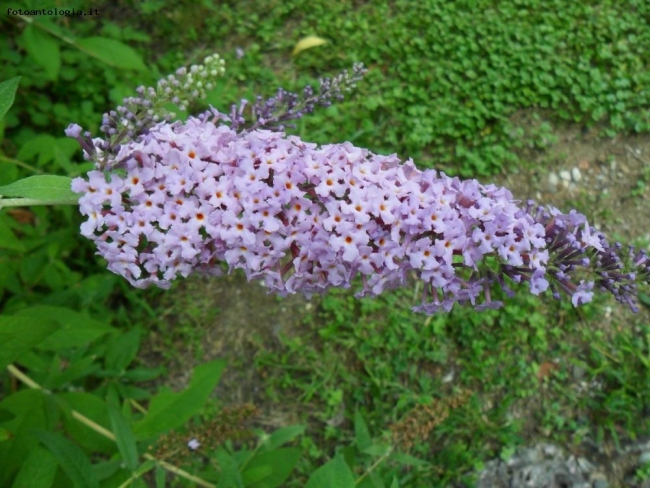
<point x="20" y="163"/>
<point x="64" y="38"/>
<point x="371" y="468"/>
<point x="29" y="202"/>
<point x="16" y="373"/>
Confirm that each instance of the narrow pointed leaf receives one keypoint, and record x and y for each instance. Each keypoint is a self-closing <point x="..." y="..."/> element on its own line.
<point x="37" y="471"/>
<point x="44" y="188"/>
<point x="71" y="458"/>
<point x="7" y="93"/>
<point x="19" y="334"/>
<point x="308" y="43"/>
<point x="334" y="473"/>
<point x="112" y="52"/>
<point x="123" y="437"/>
<point x="169" y="410"/>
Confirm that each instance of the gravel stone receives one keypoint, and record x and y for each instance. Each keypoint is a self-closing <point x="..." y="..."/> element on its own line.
<point x="565" y="175"/>
<point x="553" y="180"/>
<point x="576" y="175"/>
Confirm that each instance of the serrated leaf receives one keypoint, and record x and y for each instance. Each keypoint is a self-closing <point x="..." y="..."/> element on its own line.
<point x="270" y="469"/>
<point x="37" y="471"/>
<point x="44" y="49"/>
<point x="112" y="52"/>
<point x="308" y="43"/>
<point x="283" y="435"/>
<point x="71" y="458"/>
<point x="169" y="410"/>
<point x="334" y="473"/>
<point x="48" y="189"/>
<point x="7" y="93"/>
<point x="123" y="437"/>
<point x="19" y="334"/>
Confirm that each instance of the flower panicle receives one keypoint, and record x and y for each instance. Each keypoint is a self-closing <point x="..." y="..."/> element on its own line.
<point x="304" y="218"/>
<point x="275" y="112"/>
<point x="137" y="115"/>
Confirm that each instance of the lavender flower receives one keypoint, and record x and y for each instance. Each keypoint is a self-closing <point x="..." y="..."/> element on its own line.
<point x="275" y="112"/>
<point x="133" y="119"/>
<point x="303" y="218"/>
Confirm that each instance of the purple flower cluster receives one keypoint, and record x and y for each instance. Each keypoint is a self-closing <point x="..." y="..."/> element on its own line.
<point x="305" y="218"/>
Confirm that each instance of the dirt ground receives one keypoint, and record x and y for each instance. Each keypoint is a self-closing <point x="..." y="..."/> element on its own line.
<point x="600" y="176"/>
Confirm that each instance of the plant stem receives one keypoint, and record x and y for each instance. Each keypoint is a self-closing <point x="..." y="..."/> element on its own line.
<point x="16" y="373"/>
<point x="20" y="163"/>
<point x="374" y="465"/>
<point x="30" y="202"/>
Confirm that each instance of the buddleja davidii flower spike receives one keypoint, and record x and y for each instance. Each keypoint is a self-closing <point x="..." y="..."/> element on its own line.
<point x="578" y="250"/>
<point x="276" y="112"/>
<point x="137" y="115"/>
<point x="304" y="218"/>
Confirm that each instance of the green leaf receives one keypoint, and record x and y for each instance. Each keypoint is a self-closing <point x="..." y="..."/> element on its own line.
<point x="644" y="299"/>
<point x="93" y="407"/>
<point x="122" y="350"/>
<point x="76" y="329"/>
<point x="145" y="467"/>
<point x="334" y="473"/>
<point x="44" y="49"/>
<point x="46" y="189"/>
<point x="19" y="334"/>
<point x="376" y="449"/>
<point x="8" y="239"/>
<point x="112" y="52"/>
<point x="7" y="93"/>
<point x="42" y="145"/>
<point x="169" y="410"/>
<point x="123" y="437"/>
<point x="6" y="416"/>
<point x="37" y="471"/>
<point x="361" y="432"/>
<point x="27" y="406"/>
<point x="230" y="476"/>
<point x="161" y="477"/>
<point x="71" y="458"/>
<point x="407" y="459"/>
<point x="106" y="469"/>
<point x="395" y="483"/>
<point x="283" y="435"/>
<point x="270" y="469"/>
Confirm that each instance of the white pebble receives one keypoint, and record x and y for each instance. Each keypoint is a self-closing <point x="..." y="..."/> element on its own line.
<point x="565" y="175"/>
<point x="575" y="174"/>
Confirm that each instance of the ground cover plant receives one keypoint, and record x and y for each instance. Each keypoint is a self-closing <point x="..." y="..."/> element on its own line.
<point x="383" y="397"/>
